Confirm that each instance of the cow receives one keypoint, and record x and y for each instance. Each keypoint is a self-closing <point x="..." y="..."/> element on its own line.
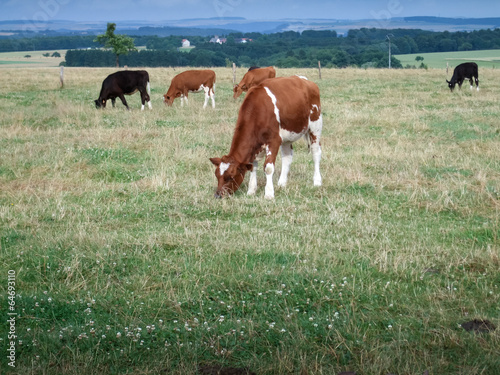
<point x="275" y="113"/>
<point x="191" y="81"/>
<point x="253" y="77"/>
<point x="122" y="83"/>
<point x="466" y="70"/>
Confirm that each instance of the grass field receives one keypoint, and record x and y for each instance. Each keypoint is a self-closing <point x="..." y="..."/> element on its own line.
<point x="122" y="262"/>
<point x="19" y="59"/>
<point x="438" y="60"/>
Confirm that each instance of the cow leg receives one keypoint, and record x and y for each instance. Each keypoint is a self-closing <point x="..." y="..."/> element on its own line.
<point x="252" y="184"/>
<point x="145" y="98"/>
<point x="122" y="98"/>
<point x="286" y="161"/>
<point x="206" y="89"/>
<point x="471" y="82"/>
<point x="113" y="102"/>
<point x="271" y="152"/>
<point x="315" y="128"/>
<point x="212" y="96"/>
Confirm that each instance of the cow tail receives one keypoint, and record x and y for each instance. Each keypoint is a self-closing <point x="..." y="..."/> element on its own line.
<point x="148" y="87"/>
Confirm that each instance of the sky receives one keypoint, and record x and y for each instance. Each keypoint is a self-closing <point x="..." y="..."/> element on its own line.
<point x="160" y="10"/>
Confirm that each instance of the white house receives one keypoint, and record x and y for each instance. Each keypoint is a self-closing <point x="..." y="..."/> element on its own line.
<point x="186" y="43"/>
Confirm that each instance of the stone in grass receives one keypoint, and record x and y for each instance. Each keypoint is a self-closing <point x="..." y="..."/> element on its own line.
<point x="479" y="326"/>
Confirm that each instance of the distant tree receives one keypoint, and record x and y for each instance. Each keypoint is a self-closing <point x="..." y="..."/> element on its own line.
<point x="419" y="58"/>
<point x="119" y="44"/>
<point x="56" y="54"/>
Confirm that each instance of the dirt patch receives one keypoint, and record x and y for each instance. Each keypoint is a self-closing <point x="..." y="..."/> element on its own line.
<point x="478" y="326"/>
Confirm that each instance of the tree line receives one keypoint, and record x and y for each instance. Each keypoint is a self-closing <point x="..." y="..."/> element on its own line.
<point x="361" y="47"/>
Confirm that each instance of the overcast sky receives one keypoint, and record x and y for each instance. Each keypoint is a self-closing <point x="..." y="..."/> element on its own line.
<point x="158" y="10"/>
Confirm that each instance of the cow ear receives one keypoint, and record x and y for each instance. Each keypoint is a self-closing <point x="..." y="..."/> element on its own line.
<point x="249" y="166"/>
<point x="447" y="81"/>
<point x="216" y="161"/>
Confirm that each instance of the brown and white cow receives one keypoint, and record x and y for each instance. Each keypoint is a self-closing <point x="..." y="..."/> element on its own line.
<point x="191" y="81"/>
<point x="275" y="113"/>
<point x="253" y="77"/>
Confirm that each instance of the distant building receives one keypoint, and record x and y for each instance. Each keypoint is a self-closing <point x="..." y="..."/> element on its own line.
<point x="186" y="43"/>
<point x="243" y="40"/>
<point x="218" y="40"/>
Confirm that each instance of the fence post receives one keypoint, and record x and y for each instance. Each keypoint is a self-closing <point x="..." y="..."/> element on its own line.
<point x="319" y="68"/>
<point x="61" y="76"/>
<point x="234" y="74"/>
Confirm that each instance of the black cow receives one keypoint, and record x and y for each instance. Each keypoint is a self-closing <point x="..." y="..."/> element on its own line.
<point x="466" y="70"/>
<point x="122" y="83"/>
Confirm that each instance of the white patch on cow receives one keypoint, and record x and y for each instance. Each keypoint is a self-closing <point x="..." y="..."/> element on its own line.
<point x="302" y="77"/>
<point x="286" y="161"/>
<point x="314" y="106"/>
<point x="149" y="105"/>
<point x="268" y="152"/>
<point x="252" y="184"/>
<point x="273" y="99"/>
<point x="142" y="107"/>
<point x="269" y="191"/>
<point x="315" y="128"/>
<point x="288" y="136"/>
<point x="223" y="168"/>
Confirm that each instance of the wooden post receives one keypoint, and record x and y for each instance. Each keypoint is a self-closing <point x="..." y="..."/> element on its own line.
<point x="447" y="69"/>
<point x="234" y="74"/>
<point x="319" y="68"/>
<point x="61" y="76"/>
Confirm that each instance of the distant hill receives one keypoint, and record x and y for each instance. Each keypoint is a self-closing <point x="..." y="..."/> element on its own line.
<point x="221" y="26"/>
<point x="456" y="21"/>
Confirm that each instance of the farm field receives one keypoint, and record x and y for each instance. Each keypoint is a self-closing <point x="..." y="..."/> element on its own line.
<point x="438" y="60"/>
<point x="19" y="59"/>
<point x="122" y="262"/>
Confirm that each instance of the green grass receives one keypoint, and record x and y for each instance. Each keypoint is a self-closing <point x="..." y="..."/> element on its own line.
<point x="439" y="60"/>
<point x="126" y="264"/>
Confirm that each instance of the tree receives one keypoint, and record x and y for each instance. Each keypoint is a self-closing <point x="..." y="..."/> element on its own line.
<point x="119" y="44"/>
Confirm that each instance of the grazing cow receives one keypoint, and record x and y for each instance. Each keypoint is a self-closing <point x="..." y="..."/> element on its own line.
<point x="466" y="70"/>
<point x="275" y="113"/>
<point x="122" y="83"/>
<point x="191" y="81"/>
<point x="253" y="77"/>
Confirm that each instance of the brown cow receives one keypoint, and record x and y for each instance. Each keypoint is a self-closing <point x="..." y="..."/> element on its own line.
<point x="191" y="81"/>
<point x="275" y="113"/>
<point x="253" y="77"/>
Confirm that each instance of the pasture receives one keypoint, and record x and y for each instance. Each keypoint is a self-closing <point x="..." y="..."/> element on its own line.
<point x="438" y="60"/>
<point x="124" y="263"/>
<point x="35" y="59"/>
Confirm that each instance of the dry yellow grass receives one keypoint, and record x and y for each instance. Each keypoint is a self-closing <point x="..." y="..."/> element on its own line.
<point x="111" y="214"/>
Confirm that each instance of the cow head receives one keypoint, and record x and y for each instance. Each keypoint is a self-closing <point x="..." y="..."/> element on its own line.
<point x="100" y="103"/>
<point x="238" y="90"/>
<point x="168" y="100"/>
<point x="169" y="97"/>
<point x="451" y="84"/>
<point x="229" y="174"/>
